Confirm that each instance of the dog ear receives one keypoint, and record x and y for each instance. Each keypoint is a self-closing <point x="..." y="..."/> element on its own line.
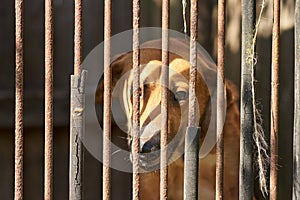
<point x="120" y="66"/>
<point x="210" y="118"/>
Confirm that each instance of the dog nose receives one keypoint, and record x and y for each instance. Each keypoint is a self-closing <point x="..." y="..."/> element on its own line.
<point x="153" y="144"/>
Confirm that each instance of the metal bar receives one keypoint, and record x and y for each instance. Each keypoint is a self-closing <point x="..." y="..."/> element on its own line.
<point x="76" y="130"/>
<point x="191" y="158"/>
<point x="164" y="101"/>
<point x="77" y="112"/>
<point x="48" y="100"/>
<point x="18" y="193"/>
<point x="274" y="99"/>
<point x="247" y="120"/>
<point x="136" y="98"/>
<point x="107" y="103"/>
<point x="193" y="62"/>
<point x="220" y="101"/>
<point x="77" y="37"/>
<point x="296" y="146"/>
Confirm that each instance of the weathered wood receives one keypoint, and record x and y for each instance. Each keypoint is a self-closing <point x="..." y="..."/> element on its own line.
<point x="247" y="120"/>
<point x="77" y="118"/>
<point x="296" y="149"/>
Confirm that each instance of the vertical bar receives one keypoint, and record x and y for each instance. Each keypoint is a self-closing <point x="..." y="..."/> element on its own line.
<point x="107" y="103"/>
<point x="247" y="121"/>
<point x="296" y="146"/>
<point x="193" y="63"/>
<point x="191" y="157"/>
<point x="191" y="163"/>
<point x="164" y="100"/>
<point x="18" y="193"/>
<point x="77" y="112"/>
<point x="274" y="99"/>
<point x="220" y="100"/>
<point x="48" y="100"/>
<point x="136" y="98"/>
<point x="76" y="130"/>
<point x="77" y="37"/>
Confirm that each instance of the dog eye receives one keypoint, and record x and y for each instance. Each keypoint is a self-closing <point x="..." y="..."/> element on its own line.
<point x="181" y="95"/>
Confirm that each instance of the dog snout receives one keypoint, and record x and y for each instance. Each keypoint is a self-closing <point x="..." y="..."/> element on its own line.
<point x="153" y="144"/>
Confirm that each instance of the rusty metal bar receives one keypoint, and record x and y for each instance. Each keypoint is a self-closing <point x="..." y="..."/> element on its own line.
<point x="48" y="193"/>
<point x="220" y="100"/>
<point x="274" y="99"/>
<point x="191" y="157"/>
<point x="164" y="101"/>
<point x="77" y="37"/>
<point x="193" y="63"/>
<point x="107" y="102"/>
<point x="77" y="112"/>
<point x="136" y="98"/>
<point x="18" y="193"/>
<point x="247" y="120"/>
<point x="296" y="146"/>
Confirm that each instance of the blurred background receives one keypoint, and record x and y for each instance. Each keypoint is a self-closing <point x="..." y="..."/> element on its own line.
<point x="92" y="36"/>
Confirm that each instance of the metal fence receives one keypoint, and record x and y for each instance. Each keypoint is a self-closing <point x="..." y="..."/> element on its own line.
<point x="248" y="112"/>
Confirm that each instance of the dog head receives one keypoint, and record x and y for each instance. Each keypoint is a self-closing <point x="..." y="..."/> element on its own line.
<point x="150" y="94"/>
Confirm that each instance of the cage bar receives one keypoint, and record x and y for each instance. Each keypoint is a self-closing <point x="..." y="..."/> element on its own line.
<point x="193" y="63"/>
<point x="18" y="192"/>
<point x="296" y="145"/>
<point x="136" y="98"/>
<point x="77" y="117"/>
<point x="107" y="103"/>
<point x="164" y="101"/>
<point x="220" y="100"/>
<point x="191" y="156"/>
<point x="77" y="112"/>
<point x="77" y="37"/>
<point x="191" y="162"/>
<point x="247" y="120"/>
<point x="274" y="99"/>
<point x="48" y="193"/>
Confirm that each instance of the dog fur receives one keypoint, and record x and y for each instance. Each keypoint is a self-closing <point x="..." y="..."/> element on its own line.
<point x="150" y="60"/>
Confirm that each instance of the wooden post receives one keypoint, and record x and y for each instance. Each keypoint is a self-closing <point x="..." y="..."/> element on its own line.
<point x="77" y="128"/>
<point x="296" y="172"/>
<point x="247" y="120"/>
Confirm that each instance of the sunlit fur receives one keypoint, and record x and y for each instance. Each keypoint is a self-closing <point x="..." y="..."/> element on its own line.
<point x="151" y="98"/>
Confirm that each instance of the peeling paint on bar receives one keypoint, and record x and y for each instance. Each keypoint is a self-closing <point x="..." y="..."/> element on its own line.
<point x="76" y="132"/>
<point x="77" y="111"/>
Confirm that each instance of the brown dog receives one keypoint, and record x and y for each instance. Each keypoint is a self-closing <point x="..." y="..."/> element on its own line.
<point x="150" y="98"/>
